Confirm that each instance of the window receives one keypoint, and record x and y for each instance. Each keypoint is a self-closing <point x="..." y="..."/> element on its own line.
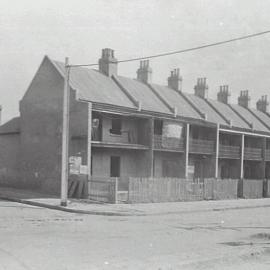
<point x="116" y="127"/>
<point x="158" y="125"/>
<point x="115" y="166"/>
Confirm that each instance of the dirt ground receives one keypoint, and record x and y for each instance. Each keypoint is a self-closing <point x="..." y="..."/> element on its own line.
<point x="38" y="238"/>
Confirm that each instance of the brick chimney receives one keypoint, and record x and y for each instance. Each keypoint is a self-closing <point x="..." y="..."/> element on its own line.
<point x="201" y="89"/>
<point x="244" y="99"/>
<point x="223" y="94"/>
<point x="108" y="63"/>
<point x="175" y="80"/>
<point x="262" y="104"/>
<point x="144" y="73"/>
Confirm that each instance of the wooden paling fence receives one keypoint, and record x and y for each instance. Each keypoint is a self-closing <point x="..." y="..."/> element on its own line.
<point x="145" y="190"/>
<point x="142" y="190"/>
<point x="217" y="189"/>
<point x="251" y="189"/>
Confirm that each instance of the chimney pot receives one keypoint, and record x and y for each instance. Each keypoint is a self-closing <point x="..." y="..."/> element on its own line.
<point x="144" y="73"/>
<point x="201" y="89"/>
<point x="262" y="104"/>
<point x="223" y="94"/>
<point x="108" y="63"/>
<point x="175" y="80"/>
<point x="244" y="99"/>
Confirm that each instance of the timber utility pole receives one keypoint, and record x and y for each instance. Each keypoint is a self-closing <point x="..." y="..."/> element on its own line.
<point x="65" y="137"/>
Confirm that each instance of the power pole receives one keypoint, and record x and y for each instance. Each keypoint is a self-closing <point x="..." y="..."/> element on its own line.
<point x="65" y="138"/>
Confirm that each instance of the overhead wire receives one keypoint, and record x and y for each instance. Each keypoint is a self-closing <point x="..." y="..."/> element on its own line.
<point x="183" y="50"/>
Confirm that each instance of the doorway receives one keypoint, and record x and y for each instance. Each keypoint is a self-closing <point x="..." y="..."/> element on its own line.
<point x="115" y="166"/>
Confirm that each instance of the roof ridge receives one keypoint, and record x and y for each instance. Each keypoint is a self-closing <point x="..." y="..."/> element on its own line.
<point x="162" y="99"/>
<point x="243" y="118"/>
<point x="136" y="102"/>
<point x="258" y="118"/>
<point x="229" y="122"/>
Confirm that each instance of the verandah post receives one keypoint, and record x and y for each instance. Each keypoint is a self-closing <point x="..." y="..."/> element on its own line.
<point x="89" y="147"/>
<point x="242" y="157"/>
<point x="217" y="152"/>
<point x="151" y="156"/>
<point x="187" y="150"/>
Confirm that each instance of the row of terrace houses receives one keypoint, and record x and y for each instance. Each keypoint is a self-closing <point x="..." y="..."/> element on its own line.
<point x="123" y="127"/>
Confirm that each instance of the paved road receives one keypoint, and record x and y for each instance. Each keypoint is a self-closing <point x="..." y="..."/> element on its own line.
<point x="38" y="238"/>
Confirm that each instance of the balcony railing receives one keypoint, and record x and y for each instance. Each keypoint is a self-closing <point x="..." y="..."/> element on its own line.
<point x="253" y="153"/>
<point x="229" y="151"/>
<point x="201" y="146"/>
<point x="166" y="143"/>
<point x="267" y="154"/>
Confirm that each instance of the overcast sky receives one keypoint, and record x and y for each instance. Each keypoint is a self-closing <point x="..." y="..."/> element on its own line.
<point x="80" y="29"/>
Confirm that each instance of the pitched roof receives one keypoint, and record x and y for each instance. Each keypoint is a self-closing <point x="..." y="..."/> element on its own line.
<point x="201" y="104"/>
<point x="143" y="93"/>
<point x="92" y="85"/>
<point x="263" y="116"/>
<point x="176" y="100"/>
<point x="257" y="125"/>
<point x="225" y="110"/>
<point x="12" y="126"/>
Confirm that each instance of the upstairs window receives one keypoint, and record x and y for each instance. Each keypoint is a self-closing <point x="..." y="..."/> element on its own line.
<point x="116" y="127"/>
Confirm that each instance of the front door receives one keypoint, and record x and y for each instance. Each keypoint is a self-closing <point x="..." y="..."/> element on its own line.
<point x="115" y="166"/>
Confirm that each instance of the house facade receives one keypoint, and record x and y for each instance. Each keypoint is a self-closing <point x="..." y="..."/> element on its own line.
<point x="123" y="127"/>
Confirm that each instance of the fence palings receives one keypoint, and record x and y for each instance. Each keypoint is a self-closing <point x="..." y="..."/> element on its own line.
<point x="251" y="189"/>
<point x="103" y="189"/>
<point x="217" y="189"/>
<point x="175" y="189"/>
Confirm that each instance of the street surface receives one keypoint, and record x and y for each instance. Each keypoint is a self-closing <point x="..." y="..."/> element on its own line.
<point x="38" y="238"/>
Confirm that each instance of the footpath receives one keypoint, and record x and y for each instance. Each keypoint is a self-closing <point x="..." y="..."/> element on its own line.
<point x="86" y="207"/>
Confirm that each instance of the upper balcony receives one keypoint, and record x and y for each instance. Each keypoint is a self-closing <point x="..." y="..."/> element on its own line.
<point x="168" y="144"/>
<point x="229" y="151"/>
<point x="252" y="153"/>
<point x="120" y="132"/>
<point x="197" y="146"/>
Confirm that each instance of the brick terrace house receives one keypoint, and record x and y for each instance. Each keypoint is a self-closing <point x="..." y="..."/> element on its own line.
<point x="123" y="127"/>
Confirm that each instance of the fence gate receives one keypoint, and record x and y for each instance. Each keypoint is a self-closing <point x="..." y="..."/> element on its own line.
<point x="103" y="189"/>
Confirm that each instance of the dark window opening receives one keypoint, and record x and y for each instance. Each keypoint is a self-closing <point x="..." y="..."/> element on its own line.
<point x="116" y="127"/>
<point x="115" y="166"/>
<point x="158" y="125"/>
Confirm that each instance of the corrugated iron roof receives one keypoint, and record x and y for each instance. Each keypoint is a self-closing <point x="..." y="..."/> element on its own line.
<point x="201" y="104"/>
<point x="263" y="116"/>
<point x="225" y="110"/>
<point x="96" y="87"/>
<point x="143" y="93"/>
<point x="121" y="91"/>
<point x="257" y="125"/>
<point x="176" y="100"/>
